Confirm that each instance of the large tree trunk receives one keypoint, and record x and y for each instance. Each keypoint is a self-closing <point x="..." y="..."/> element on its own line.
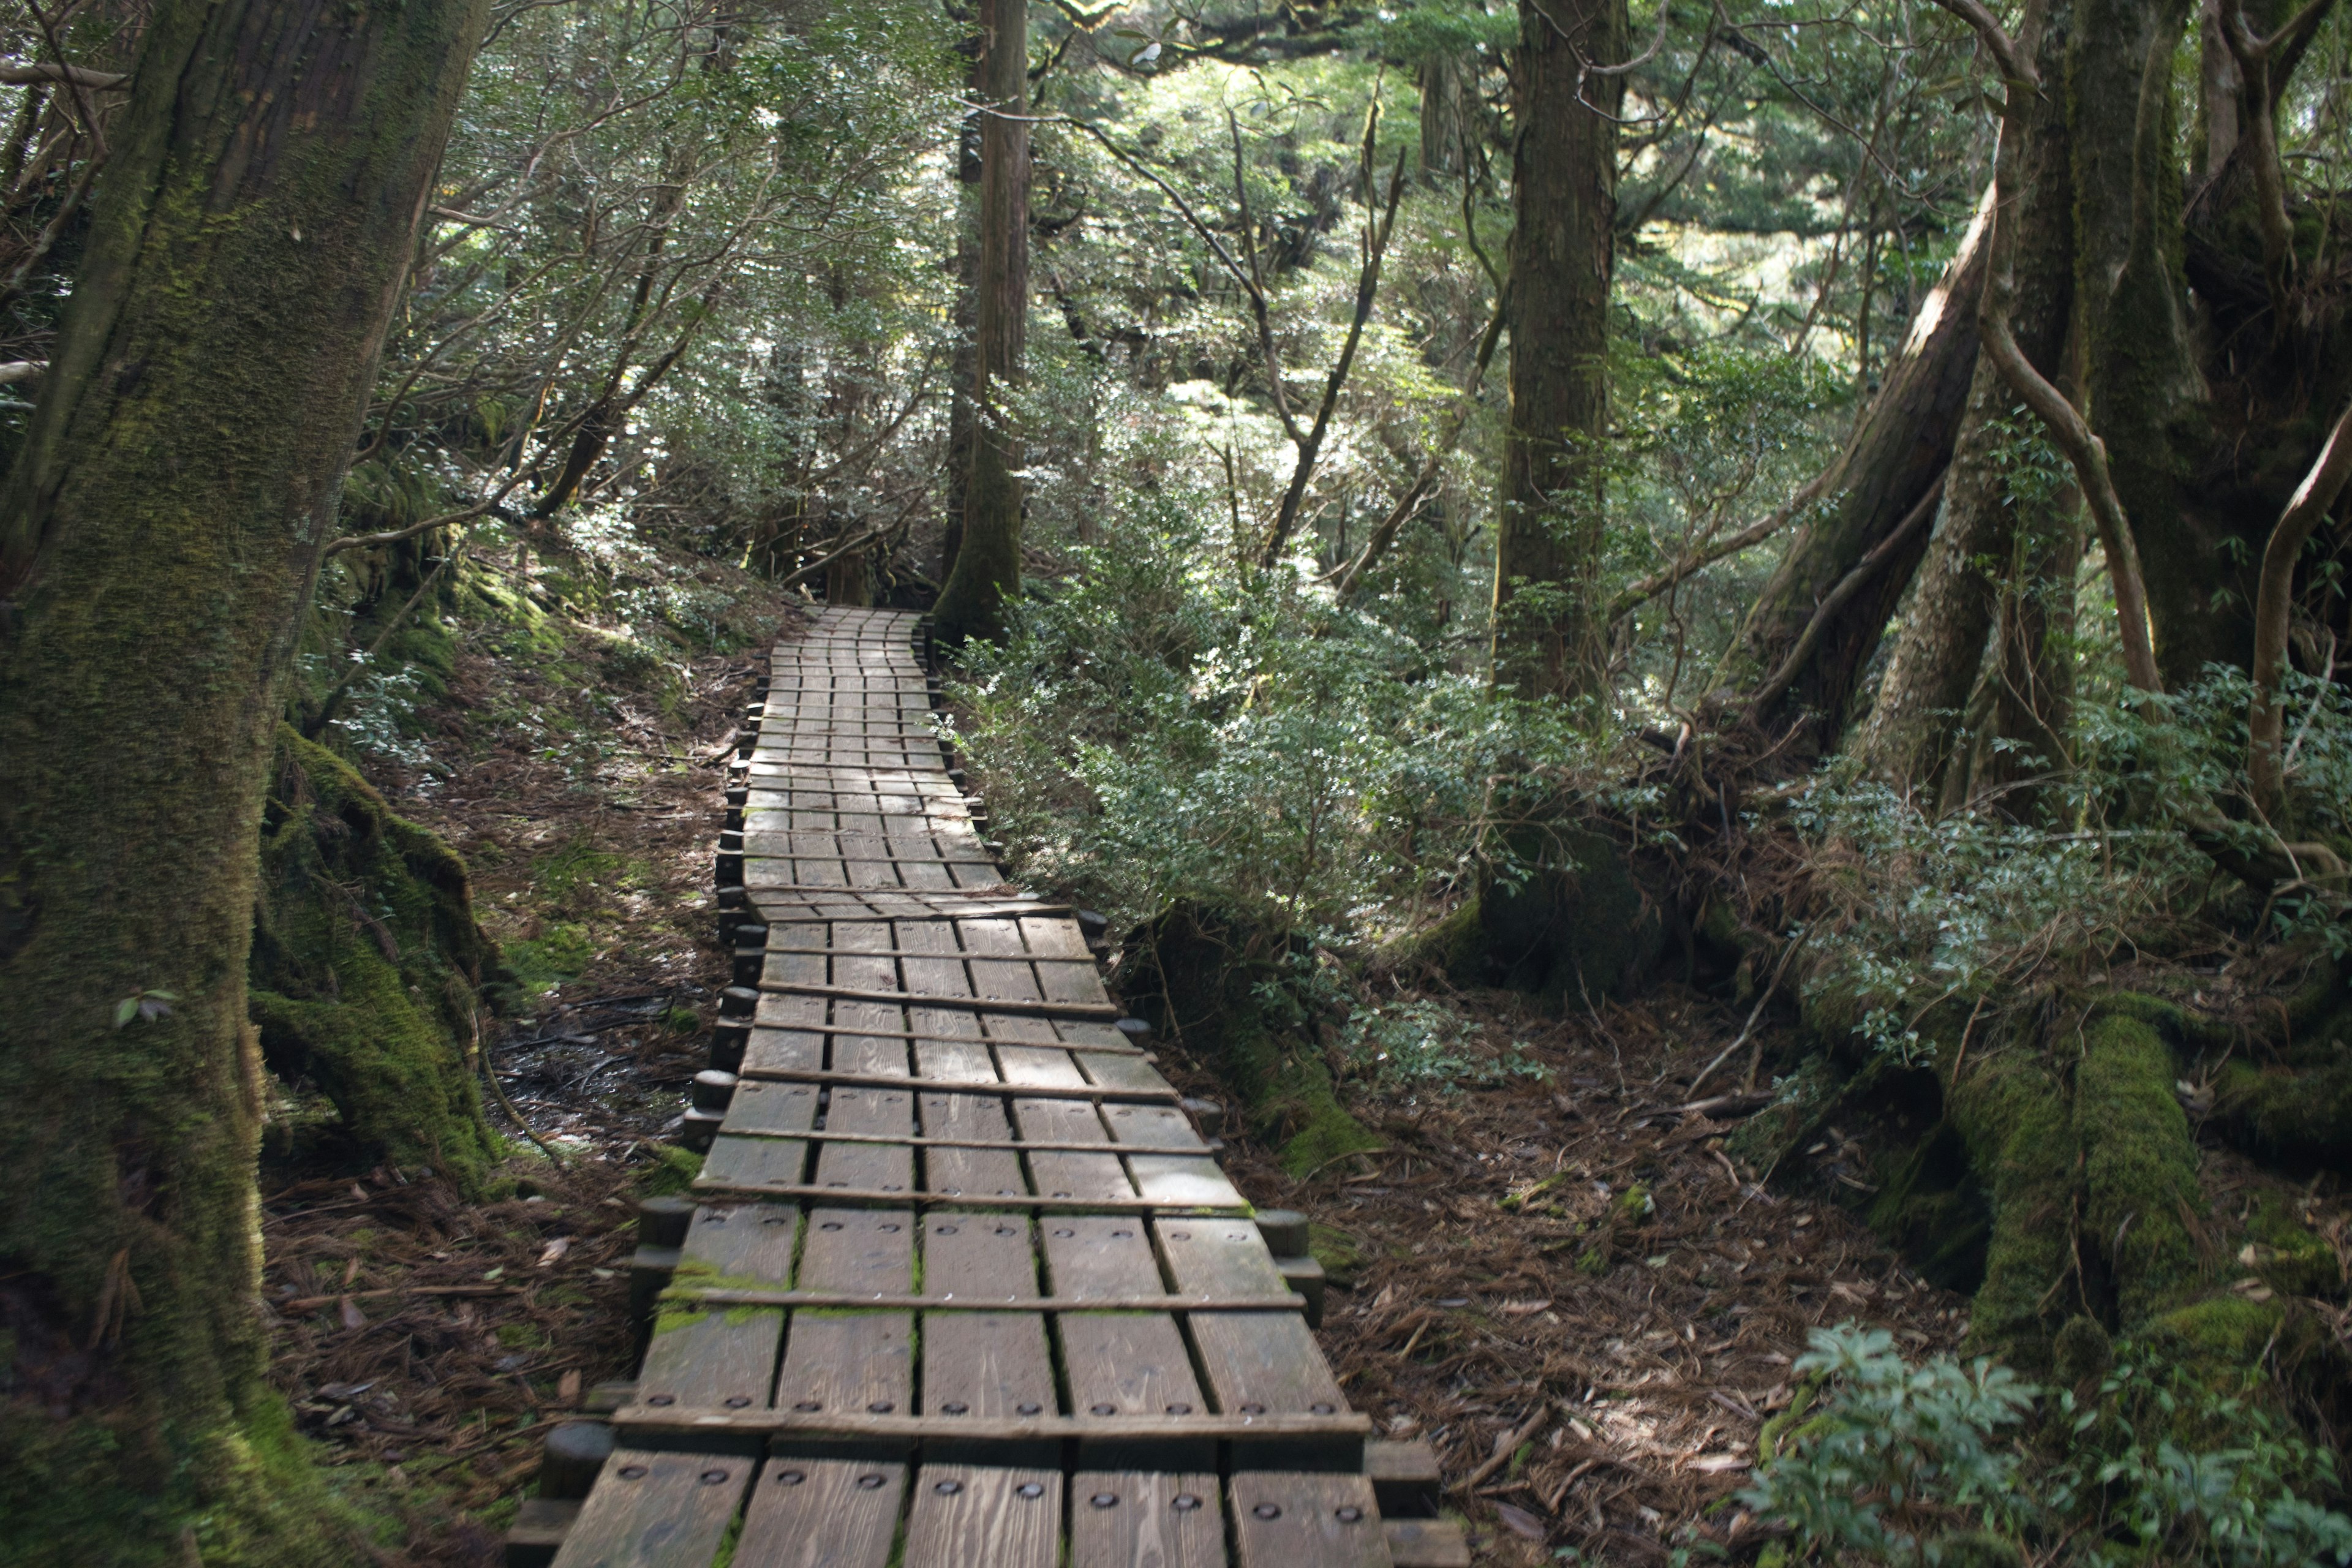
<point x="2142" y="384"/>
<point x="1940" y="647"/>
<point x="1893" y="458"/>
<point x="160" y="534"/>
<point x="1563" y="256"/>
<point x="988" y="558"/>
<point x="963" y="369"/>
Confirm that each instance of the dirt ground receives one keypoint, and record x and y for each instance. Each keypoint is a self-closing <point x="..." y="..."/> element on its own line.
<point x="1593" y="1402"/>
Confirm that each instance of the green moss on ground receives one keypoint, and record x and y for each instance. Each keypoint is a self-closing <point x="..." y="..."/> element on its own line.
<point x="368" y="969"/>
<point x="242" y="1494"/>
<point x="2300" y="1119"/>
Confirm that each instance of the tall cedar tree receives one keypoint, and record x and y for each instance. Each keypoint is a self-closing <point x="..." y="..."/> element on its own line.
<point x="159" y="536"/>
<point x="987" y="566"/>
<point x="1563" y="257"/>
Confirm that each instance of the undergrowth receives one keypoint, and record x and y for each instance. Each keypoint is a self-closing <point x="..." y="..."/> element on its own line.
<point x="1943" y="1463"/>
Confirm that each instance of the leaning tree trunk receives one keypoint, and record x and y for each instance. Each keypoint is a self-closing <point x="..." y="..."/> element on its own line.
<point x="1563" y="256"/>
<point x="987" y="566"/>
<point x="1888" y="469"/>
<point x="1908" y="736"/>
<point x="160" y="534"/>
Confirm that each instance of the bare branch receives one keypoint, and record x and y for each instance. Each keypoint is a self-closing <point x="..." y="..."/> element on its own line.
<point x="29" y="73"/>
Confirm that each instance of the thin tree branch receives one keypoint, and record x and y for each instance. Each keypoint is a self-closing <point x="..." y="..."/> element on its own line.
<point x="2274" y="604"/>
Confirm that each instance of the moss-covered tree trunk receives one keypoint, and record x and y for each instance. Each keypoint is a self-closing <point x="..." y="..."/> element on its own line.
<point x="160" y="535"/>
<point x="1563" y="257"/>
<point x="987" y="567"/>
<point x="1940" y="645"/>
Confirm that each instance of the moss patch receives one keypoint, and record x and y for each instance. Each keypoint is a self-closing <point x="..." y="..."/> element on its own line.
<point x="368" y="969"/>
<point x="2140" y="1170"/>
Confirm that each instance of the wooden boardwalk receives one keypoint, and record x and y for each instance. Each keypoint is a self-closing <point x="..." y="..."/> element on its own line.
<point x="961" y="1283"/>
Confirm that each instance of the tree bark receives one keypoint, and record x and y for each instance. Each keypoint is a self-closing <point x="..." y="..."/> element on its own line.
<point x="2143" y="389"/>
<point x="1548" y="635"/>
<point x="1940" y="647"/>
<point x="160" y="535"/>
<point x="1902" y="444"/>
<point x="963" y="369"/>
<point x="988" y="558"/>
<point x="1445" y="88"/>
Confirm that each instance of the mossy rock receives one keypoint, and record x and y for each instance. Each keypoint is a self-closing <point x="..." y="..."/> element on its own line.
<point x="1452" y="949"/>
<point x="368" y="969"/>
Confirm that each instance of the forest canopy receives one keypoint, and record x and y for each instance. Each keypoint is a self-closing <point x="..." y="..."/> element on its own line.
<point x="1836" y="510"/>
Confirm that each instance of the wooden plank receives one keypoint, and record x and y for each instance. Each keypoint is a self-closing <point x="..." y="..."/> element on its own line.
<point x="1290" y="1519"/>
<point x="953" y="1170"/>
<point x="655" y="1509"/>
<point x="852" y="1197"/>
<point x="1121" y="1364"/>
<point x="967" y="1515"/>
<point x="984" y="1366"/>
<point x="822" y="1514"/>
<point x="1255" y="1363"/>
<point x="879" y="1167"/>
<point x="896" y="1433"/>
<point x="755" y="1146"/>
<point x="1145" y="1518"/>
<point x="723" y="1357"/>
<point x="1066" y="1176"/>
<point x="852" y="1362"/>
<point x="1024" y="1008"/>
<point x="1164" y="1095"/>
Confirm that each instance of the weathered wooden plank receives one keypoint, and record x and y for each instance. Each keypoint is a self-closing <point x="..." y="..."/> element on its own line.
<point x="1292" y="1520"/>
<point x="879" y="1167"/>
<point x="983" y="1171"/>
<point x="1145" y="1518"/>
<point x="1067" y="1175"/>
<point x="984" y="1366"/>
<point x="1120" y="1363"/>
<point x="1255" y="1363"/>
<point x="752" y="1148"/>
<point x="724" y="1357"/>
<point x="822" y="1514"/>
<point x="838" y="1361"/>
<point x="966" y="1515"/>
<point x="656" y="1510"/>
<point x="1164" y="1094"/>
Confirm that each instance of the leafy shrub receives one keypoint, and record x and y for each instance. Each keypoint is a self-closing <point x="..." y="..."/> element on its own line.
<point x="1164" y="727"/>
<point x="1904" y="1463"/>
<point x="2167" y="1468"/>
<point x="1897" y="1456"/>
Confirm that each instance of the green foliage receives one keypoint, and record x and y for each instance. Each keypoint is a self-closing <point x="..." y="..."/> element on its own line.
<point x="1161" y="731"/>
<point x="1907" y="1463"/>
<point x="2116" y="849"/>
<point x="1418" y="1044"/>
<point x="1895" y="1454"/>
<point x="2162" y="1466"/>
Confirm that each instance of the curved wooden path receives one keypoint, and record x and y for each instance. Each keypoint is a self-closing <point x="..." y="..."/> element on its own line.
<point x="961" y="1283"/>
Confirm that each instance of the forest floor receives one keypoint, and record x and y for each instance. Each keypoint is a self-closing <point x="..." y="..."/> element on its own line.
<point x="1565" y="1285"/>
<point x="1605" y="1397"/>
<point x="426" y="1342"/>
